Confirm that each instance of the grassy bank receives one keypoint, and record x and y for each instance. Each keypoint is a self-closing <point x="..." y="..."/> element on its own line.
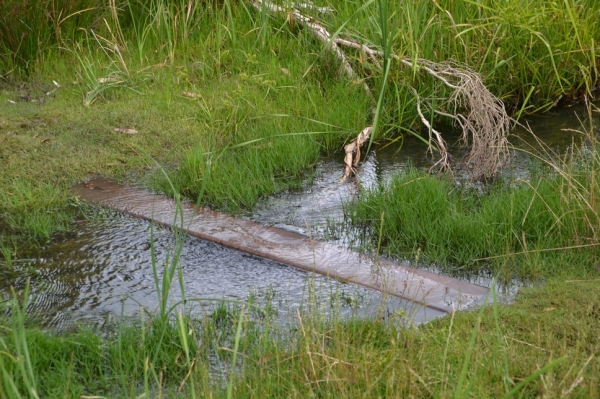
<point x="522" y="229"/>
<point x="546" y="344"/>
<point x="248" y="118"/>
<point x="238" y="103"/>
<point x="537" y="224"/>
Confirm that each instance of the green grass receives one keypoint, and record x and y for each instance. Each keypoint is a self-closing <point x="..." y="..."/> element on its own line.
<point x="261" y="121"/>
<point x="523" y="228"/>
<point x="28" y="29"/>
<point x="130" y="65"/>
<point x="531" y="54"/>
<point x="267" y="101"/>
<point x="265" y="153"/>
<point x="519" y="229"/>
<point x="38" y="208"/>
<point x="544" y="344"/>
<point x="82" y="362"/>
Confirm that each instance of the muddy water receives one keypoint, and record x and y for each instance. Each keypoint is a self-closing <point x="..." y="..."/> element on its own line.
<point x="104" y="268"/>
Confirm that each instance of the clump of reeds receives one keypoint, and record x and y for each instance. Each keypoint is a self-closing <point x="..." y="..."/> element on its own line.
<point x="30" y="28"/>
<point x="521" y="228"/>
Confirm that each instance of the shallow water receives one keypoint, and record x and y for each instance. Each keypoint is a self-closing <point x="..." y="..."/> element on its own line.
<point x="104" y="268"/>
<point x="313" y="209"/>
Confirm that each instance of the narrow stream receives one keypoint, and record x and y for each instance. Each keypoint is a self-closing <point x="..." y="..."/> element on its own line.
<point x="104" y="269"/>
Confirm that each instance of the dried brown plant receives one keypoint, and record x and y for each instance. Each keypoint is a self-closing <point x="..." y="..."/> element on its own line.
<point x="481" y="116"/>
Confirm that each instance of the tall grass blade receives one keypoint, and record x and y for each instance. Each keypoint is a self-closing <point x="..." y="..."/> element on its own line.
<point x="460" y="391"/>
<point x="238" y="336"/>
<point x="533" y="376"/>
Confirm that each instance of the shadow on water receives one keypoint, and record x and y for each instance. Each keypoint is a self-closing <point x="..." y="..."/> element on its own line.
<point x="104" y="268"/>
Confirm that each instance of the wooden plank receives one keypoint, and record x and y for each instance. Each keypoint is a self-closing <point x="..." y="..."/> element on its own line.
<point x="425" y="288"/>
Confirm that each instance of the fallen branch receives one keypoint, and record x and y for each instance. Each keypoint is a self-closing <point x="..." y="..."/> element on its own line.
<point x="312" y="7"/>
<point x="486" y="123"/>
<point x="317" y="29"/>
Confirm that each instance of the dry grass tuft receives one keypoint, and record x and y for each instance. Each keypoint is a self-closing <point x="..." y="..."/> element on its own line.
<point x="481" y="116"/>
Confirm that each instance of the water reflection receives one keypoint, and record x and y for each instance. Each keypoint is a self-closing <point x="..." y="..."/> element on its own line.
<point x="323" y="199"/>
<point x="309" y="211"/>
